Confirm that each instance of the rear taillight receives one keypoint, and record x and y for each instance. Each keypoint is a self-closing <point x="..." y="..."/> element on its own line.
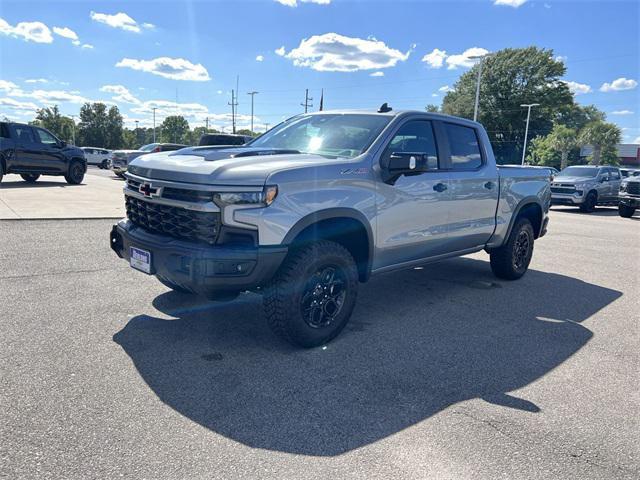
<point x="157" y="149"/>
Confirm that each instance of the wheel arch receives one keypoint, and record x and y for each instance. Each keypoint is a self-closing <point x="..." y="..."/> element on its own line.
<point x="530" y="208"/>
<point x="345" y="226"/>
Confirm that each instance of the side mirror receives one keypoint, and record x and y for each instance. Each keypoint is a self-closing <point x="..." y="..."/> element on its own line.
<point x="62" y="144"/>
<point x="604" y="178"/>
<point x="404" y="163"/>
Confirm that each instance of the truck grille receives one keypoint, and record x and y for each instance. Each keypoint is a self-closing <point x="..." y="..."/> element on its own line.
<point x="564" y="189"/>
<point x="633" y="188"/>
<point x="174" y="221"/>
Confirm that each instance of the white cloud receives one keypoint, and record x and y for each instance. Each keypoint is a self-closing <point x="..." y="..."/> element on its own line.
<point x="120" y="20"/>
<point x="510" y="3"/>
<point x="294" y="3"/>
<point x="437" y="58"/>
<point x="173" y="68"/>
<point x="65" y="32"/>
<point x="259" y="58"/>
<point x="280" y="51"/>
<point x="18" y="107"/>
<point x="578" y="88"/>
<point x="87" y="46"/>
<point x="219" y="92"/>
<point x="445" y="89"/>
<point x="7" y="86"/>
<point x="379" y="73"/>
<point x="36" y="32"/>
<point x="636" y="140"/>
<point x="55" y="96"/>
<point x="332" y="52"/>
<point x="619" y="85"/>
<point x="36" y="80"/>
<point x="622" y="112"/>
<point x="560" y="58"/>
<point x="122" y="94"/>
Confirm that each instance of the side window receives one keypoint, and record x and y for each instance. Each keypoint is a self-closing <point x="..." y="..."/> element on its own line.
<point x="464" y="145"/>
<point x="415" y="136"/>
<point x="24" y="134"/>
<point x="4" y="131"/>
<point x="615" y="174"/>
<point x="45" y="137"/>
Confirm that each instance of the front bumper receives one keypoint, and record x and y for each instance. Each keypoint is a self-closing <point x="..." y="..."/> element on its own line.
<point x="202" y="269"/>
<point x="566" y="199"/>
<point x="629" y="200"/>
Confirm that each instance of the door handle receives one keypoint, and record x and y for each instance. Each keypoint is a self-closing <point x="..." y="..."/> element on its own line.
<point x="439" y="187"/>
<point x="489" y="185"/>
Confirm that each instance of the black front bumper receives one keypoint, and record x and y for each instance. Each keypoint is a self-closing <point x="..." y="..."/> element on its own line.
<point x="630" y="201"/>
<point x="202" y="269"/>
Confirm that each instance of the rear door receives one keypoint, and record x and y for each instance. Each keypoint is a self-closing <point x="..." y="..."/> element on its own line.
<point x="51" y="157"/>
<point x="412" y="211"/>
<point x="27" y="150"/>
<point x="615" y="179"/>
<point x="474" y="185"/>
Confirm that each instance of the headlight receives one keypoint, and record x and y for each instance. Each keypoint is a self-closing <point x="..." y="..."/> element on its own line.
<point x="263" y="198"/>
<point x="623" y="187"/>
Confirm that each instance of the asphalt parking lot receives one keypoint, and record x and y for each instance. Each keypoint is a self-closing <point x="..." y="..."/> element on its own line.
<point x="443" y="372"/>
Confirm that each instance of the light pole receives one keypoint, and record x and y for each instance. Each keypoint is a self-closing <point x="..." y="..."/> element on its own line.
<point x="137" y="132"/>
<point x="266" y="127"/>
<point x="252" y="94"/>
<point x="475" y="108"/>
<point x="154" y="123"/>
<point x="526" y="130"/>
<point x="73" y="128"/>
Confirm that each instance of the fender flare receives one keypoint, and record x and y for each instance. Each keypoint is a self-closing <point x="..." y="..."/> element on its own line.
<point x="525" y="202"/>
<point x="334" y="213"/>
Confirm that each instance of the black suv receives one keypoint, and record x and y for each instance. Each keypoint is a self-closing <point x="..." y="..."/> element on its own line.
<point x="33" y="151"/>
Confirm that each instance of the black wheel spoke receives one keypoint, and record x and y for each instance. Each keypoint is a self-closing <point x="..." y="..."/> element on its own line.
<point x="323" y="296"/>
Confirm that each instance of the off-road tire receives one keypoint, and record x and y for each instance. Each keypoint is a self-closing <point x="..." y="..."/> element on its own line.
<point x="75" y="173"/>
<point x="589" y="204"/>
<point x="30" y="177"/>
<point x="625" y="211"/>
<point x="283" y="297"/>
<point x="505" y="262"/>
<point x="104" y="165"/>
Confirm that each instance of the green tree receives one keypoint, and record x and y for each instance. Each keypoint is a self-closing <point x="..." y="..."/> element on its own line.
<point x="562" y="140"/>
<point x="512" y="77"/>
<point x="51" y="119"/>
<point x="602" y="137"/>
<point x="541" y="153"/>
<point x="432" y="108"/>
<point x="114" y="129"/>
<point x="175" y="129"/>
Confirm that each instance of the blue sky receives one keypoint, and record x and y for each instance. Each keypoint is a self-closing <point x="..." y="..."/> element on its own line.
<point x="141" y="55"/>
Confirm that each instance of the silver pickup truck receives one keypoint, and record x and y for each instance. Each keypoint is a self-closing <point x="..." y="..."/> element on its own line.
<point x="321" y="202"/>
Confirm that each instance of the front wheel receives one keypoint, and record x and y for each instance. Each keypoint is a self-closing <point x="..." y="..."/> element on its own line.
<point x="312" y="296"/>
<point x="75" y="174"/>
<point x="589" y="204"/>
<point x="511" y="260"/>
<point x="625" y="211"/>
<point x="30" y="177"/>
<point x="104" y="165"/>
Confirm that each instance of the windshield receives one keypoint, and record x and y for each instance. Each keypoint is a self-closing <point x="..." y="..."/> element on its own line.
<point x="331" y="135"/>
<point x="579" y="172"/>
<point x="148" y="148"/>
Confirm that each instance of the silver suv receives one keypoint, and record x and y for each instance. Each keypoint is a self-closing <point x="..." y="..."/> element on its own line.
<point x="586" y="186"/>
<point x="322" y="202"/>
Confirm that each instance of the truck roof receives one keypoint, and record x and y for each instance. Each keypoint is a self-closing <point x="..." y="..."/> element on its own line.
<point x="396" y="113"/>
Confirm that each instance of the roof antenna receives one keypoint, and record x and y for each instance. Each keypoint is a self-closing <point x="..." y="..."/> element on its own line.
<point x="384" y="108"/>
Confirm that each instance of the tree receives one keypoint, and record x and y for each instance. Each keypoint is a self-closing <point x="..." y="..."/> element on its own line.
<point x="602" y="137"/>
<point x="175" y="128"/>
<point x="100" y="127"/>
<point x="562" y="139"/>
<point x="114" y="128"/>
<point x="512" y="77"/>
<point x="51" y="119"/>
<point x="432" y="108"/>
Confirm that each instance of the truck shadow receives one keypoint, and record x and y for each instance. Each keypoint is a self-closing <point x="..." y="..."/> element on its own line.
<point x="7" y="185"/>
<point x="419" y="342"/>
<point x="598" y="212"/>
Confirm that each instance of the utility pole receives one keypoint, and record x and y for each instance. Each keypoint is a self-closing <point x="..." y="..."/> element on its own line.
<point x="475" y="108"/>
<point x="206" y="123"/>
<point x="137" y="131"/>
<point x="307" y="100"/>
<point x="526" y="130"/>
<point x="73" y="129"/>
<point x="154" y="123"/>
<point x="252" y="94"/>
<point x="266" y="127"/>
<point x="234" y="104"/>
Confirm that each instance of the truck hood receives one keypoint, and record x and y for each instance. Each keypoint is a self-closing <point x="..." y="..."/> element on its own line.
<point x="574" y="179"/>
<point x="223" y="165"/>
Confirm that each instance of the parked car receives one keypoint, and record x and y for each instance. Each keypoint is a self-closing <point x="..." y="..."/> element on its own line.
<point x="97" y="156"/>
<point x="629" y="196"/>
<point x="33" y="151"/>
<point x="586" y="186"/>
<point x="322" y="202"/>
<point x="121" y="158"/>
<point x="629" y="172"/>
<point x="211" y="139"/>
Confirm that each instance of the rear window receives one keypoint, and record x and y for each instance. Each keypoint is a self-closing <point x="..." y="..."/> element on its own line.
<point x="4" y="131"/>
<point x="464" y="146"/>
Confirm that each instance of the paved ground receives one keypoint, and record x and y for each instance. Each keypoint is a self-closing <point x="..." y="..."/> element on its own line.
<point x="98" y="196"/>
<point x="443" y="372"/>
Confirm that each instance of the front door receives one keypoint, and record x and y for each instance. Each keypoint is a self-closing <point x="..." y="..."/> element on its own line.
<point x="51" y="157"/>
<point x="474" y="187"/>
<point x="412" y="211"/>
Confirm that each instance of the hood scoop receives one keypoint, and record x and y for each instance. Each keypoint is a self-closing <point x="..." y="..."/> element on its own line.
<point x="271" y="151"/>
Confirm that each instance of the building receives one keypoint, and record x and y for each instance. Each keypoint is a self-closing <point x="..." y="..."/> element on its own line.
<point x="628" y="154"/>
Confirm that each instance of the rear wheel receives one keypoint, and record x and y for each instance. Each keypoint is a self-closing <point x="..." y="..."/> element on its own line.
<point x="589" y="204"/>
<point x="75" y="174"/>
<point x="625" y="211"/>
<point x="104" y="165"/>
<point x="511" y="260"/>
<point x="30" y="177"/>
<point x="312" y="296"/>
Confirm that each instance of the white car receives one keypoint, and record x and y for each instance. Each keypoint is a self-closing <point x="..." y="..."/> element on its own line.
<point x="97" y="156"/>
